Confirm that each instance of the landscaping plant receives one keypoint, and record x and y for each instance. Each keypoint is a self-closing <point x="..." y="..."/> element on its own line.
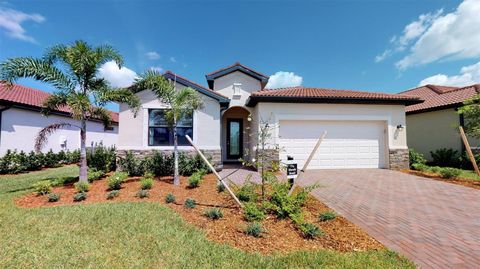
<point x="82" y="186"/>
<point x="445" y="157"/>
<point x="43" y="187"/>
<point x="113" y="194"/>
<point x="146" y="183"/>
<point x="53" y="197"/>
<point x="142" y="194"/>
<point x="220" y="187"/>
<point x="248" y="191"/>
<point x="213" y="213"/>
<point x="450" y="173"/>
<point x="195" y="178"/>
<point x="310" y="230"/>
<point x="415" y="158"/>
<point x="102" y="158"/>
<point x="251" y="212"/>
<point x="73" y="71"/>
<point x="80" y="196"/>
<point x="116" y="180"/>
<point x="170" y="198"/>
<point x="254" y="229"/>
<point x="182" y="102"/>
<point x="190" y="203"/>
<point x="94" y="174"/>
<point x="329" y="215"/>
<point x="471" y="112"/>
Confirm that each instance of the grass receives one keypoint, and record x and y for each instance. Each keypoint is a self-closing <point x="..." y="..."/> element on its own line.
<point x="470" y="175"/>
<point x="133" y="235"/>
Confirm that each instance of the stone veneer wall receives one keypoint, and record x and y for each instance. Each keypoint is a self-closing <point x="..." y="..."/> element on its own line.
<point x="215" y="155"/>
<point x="271" y="155"/>
<point x="398" y="159"/>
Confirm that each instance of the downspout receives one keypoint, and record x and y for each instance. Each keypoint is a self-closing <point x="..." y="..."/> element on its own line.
<point x="1" y="116"/>
<point x="462" y="123"/>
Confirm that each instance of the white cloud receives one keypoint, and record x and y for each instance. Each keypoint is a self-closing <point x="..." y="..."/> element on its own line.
<point x="283" y="79"/>
<point x="152" y="55"/>
<point x="11" y="21"/>
<point x="173" y="60"/>
<point x="118" y="77"/>
<point x="157" y="68"/>
<point x="468" y="75"/>
<point x="439" y="36"/>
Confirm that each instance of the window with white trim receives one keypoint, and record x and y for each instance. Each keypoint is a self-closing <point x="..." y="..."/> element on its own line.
<point x="160" y="134"/>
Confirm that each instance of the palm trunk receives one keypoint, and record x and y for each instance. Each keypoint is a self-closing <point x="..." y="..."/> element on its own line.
<point x="176" y="178"/>
<point x="83" y="151"/>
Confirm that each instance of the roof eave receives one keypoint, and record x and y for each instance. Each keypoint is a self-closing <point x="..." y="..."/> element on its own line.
<point x="252" y="101"/>
<point x="211" y="77"/>
<point x="220" y="99"/>
<point x="436" y="108"/>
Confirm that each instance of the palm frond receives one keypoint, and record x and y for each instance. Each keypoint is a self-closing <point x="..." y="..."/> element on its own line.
<point x="154" y="81"/>
<point x="102" y="114"/>
<point x="121" y="96"/>
<point x="79" y="104"/>
<point x="25" y="67"/>
<point x="56" y="53"/>
<point x="106" y="53"/>
<point x="42" y="136"/>
<point x="54" y="102"/>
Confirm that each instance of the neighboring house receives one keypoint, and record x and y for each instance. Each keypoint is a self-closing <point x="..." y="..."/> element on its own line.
<point x="21" y="120"/>
<point x="365" y="130"/>
<point x="434" y="123"/>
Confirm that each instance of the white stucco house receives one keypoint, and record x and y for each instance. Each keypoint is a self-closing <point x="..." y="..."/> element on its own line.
<point x="21" y="120"/>
<point x="434" y="123"/>
<point x="365" y="130"/>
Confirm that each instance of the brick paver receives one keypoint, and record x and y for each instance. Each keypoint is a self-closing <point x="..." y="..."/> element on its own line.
<point x="435" y="224"/>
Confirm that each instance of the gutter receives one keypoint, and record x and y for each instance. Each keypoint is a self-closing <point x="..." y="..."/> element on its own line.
<point x="253" y="100"/>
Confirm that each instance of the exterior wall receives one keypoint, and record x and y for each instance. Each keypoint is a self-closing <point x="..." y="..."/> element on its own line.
<point x="20" y="127"/>
<point x="133" y="131"/>
<point x="393" y="115"/>
<point x="236" y="113"/>
<point x="434" y="130"/>
<point x="224" y="85"/>
<point x="215" y="155"/>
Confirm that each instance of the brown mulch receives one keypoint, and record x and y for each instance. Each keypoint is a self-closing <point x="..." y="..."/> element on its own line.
<point x="467" y="182"/>
<point x="280" y="236"/>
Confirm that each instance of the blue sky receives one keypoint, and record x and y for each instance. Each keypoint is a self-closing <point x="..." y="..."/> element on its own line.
<point x="385" y="46"/>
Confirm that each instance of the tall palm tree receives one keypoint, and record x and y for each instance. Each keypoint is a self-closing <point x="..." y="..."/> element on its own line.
<point x="181" y="103"/>
<point x="72" y="70"/>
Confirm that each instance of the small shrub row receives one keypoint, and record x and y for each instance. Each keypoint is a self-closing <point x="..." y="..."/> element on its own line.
<point x="444" y="172"/>
<point x="116" y="180"/>
<point x="14" y="162"/>
<point x="94" y="174"/>
<point x="161" y="164"/>
<point x="195" y="178"/>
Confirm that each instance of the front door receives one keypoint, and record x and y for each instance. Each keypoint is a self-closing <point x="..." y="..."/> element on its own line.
<point x="234" y="139"/>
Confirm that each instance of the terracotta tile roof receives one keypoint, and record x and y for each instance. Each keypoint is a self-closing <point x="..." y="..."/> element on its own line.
<point x="22" y="95"/>
<point x="332" y="94"/>
<point x="196" y="84"/>
<point x="236" y="64"/>
<point x="438" y="97"/>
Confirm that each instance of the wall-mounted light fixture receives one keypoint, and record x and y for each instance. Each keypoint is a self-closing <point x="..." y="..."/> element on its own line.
<point x="400" y="127"/>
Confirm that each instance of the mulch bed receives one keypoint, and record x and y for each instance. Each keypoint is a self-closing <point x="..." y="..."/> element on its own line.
<point x="458" y="181"/>
<point x="280" y="236"/>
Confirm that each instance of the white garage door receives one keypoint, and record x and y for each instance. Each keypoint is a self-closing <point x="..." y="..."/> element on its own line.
<point x="348" y="144"/>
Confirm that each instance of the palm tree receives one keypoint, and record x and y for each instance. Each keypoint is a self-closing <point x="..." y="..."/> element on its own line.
<point x="72" y="70"/>
<point x="181" y="103"/>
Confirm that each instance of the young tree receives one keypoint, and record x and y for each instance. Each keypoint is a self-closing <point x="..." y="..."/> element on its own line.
<point x="72" y="70"/>
<point x="471" y="113"/>
<point x="181" y="103"/>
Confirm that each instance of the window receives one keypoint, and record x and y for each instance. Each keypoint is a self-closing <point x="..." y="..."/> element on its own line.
<point x="236" y="89"/>
<point x="160" y="134"/>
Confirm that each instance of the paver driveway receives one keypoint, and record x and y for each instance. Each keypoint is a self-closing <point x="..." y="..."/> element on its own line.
<point x="435" y="224"/>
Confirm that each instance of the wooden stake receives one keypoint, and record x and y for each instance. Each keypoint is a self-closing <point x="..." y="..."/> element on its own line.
<point x="469" y="150"/>
<point x="214" y="171"/>
<point x="305" y="165"/>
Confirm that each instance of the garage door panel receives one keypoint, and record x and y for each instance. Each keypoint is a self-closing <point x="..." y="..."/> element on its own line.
<point x="347" y="144"/>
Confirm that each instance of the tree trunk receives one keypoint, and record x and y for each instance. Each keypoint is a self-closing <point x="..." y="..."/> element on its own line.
<point x="176" y="178"/>
<point x="83" y="151"/>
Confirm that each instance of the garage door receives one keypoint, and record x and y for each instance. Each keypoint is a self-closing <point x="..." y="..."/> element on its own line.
<point x="348" y="144"/>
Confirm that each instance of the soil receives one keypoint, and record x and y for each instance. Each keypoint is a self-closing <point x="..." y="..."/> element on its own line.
<point x="280" y="235"/>
<point x="459" y="181"/>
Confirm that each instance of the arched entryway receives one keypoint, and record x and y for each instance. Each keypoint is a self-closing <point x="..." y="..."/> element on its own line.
<point x="235" y="134"/>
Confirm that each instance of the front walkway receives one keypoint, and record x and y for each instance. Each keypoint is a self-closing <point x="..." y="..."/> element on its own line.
<point x="435" y="224"/>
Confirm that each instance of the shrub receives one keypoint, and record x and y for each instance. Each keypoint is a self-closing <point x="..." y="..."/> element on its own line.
<point x="53" y="197"/>
<point x="190" y="203"/>
<point x="60" y="181"/>
<point x="247" y="192"/>
<point x="251" y="212"/>
<point x="213" y="213"/>
<point x="254" y="229"/>
<point x="142" y="194"/>
<point x="34" y="161"/>
<point x="284" y="205"/>
<point x="148" y="174"/>
<point x="415" y="158"/>
<point x="116" y="180"/>
<point x="113" y="194"/>
<point x="80" y="196"/>
<point x="329" y="215"/>
<point x="73" y="156"/>
<point x="146" y="183"/>
<point x="187" y="164"/>
<point x="82" y="186"/>
<point x="43" y="187"/>
<point x="445" y="157"/>
<point x="51" y="159"/>
<point x="94" y="174"/>
<point x="131" y="165"/>
<point x="450" y="173"/>
<point x="102" y="158"/>
<point x="161" y="165"/>
<point x="310" y="230"/>
<point x="194" y="180"/>
<point x="170" y="198"/>
<point x="434" y="169"/>
<point x="420" y="167"/>
<point x="220" y="187"/>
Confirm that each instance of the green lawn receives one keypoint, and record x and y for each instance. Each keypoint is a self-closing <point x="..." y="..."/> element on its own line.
<point x="469" y="174"/>
<point x="133" y="235"/>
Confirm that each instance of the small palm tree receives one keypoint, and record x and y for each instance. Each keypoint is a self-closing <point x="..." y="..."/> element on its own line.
<point x="72" y="70"/>
<point x="181" y="103"/>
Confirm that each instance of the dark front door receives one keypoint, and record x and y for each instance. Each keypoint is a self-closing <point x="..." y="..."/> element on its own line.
<point x="234" y="139"/>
